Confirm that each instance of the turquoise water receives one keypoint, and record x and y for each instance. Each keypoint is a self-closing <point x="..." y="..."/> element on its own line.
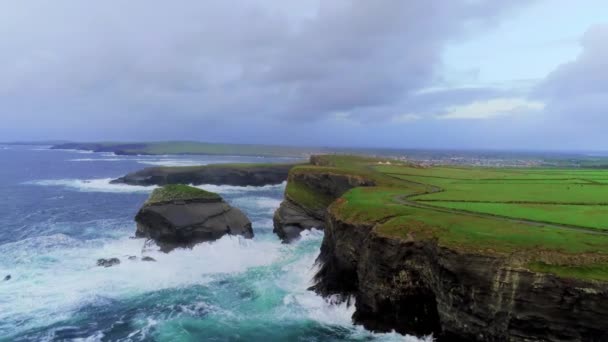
<point x="59" y="214"/>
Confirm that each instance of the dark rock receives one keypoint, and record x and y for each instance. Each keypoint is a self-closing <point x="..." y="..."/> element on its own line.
<point x="8" y="277"/>
<point x="108" y="262"/>
<point x="210" y="174"/>
<point x="247" y="294"/>
<point x="147" y="258"/>
<point x="132" y="257"/>
<point x="291" y="219"/>
<point x="184" y="223"/>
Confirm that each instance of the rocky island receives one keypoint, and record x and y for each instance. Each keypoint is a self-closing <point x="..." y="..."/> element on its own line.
<point x="434" y="251"/>
<point x="217" y="174"/>
<point x="181" y="216"/>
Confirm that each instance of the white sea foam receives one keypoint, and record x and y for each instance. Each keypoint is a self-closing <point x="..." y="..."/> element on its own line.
<point x="104" y="185"/>
<point x="176" y="162"/>
<point x="266" y="204"/>
<point x="56" y="274"/>
<point x="230" y="189"/>
<point x="296" y="280"/>
<point x="95" y="159"/>
<point x="94" y="185"/>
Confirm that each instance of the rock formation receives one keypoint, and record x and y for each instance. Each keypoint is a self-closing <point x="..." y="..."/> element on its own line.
<point x="182" y="216"/>
<point x="298" y="212"/>
<point x="218" y="174"/>
<point x="108" y="262"/>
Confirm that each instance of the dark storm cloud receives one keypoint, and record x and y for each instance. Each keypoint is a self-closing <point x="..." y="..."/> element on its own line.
<point x="73" y="63"/>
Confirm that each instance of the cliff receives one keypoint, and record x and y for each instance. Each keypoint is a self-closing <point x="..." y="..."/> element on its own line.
<point x="181" y="216"/>
<point x="416" y="286"/>
<point x="218" y="174"/>
<point x="309" y="192"/>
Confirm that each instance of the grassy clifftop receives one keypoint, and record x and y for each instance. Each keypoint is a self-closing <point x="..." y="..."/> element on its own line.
<point x="546" y="220"/>
<point x="177" y="192"/>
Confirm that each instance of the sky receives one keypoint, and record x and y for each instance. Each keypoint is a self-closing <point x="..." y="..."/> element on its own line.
<point x="470" y="74"/>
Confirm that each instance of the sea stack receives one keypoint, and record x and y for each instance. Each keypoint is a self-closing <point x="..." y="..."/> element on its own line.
<point x="178" y="215"/>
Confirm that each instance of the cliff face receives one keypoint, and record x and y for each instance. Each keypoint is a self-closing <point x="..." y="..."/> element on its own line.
<point x="416" y="286"/>
<point x="298" y="213"/>
<point x="237" y="175"/>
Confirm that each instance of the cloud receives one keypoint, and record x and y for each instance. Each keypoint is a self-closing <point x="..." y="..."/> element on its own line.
<point x="577" y="91"/>
<point x="492" y="108"/>
<point x="120" y="66"/>
<point x="409" y="117"/>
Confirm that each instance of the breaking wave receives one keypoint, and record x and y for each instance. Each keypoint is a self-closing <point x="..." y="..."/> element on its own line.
<point x="93" y="185"/>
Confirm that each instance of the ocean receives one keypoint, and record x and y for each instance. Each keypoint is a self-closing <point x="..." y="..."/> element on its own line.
<point x="59" y="214"/>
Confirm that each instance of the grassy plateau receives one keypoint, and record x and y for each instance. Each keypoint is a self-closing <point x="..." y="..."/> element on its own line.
<point x="550" y="220"/>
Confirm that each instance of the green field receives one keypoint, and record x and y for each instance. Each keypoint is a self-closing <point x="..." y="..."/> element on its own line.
<point x="556" y="220"/>
<point x="591" y="216"/>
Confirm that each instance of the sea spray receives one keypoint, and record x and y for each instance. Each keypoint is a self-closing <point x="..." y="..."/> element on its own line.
<point x="93" y="185"/>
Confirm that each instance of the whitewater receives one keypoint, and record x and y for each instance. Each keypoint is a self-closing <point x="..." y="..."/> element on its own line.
<point x="59" y="214"/>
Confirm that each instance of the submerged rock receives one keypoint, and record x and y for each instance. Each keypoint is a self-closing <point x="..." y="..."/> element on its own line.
<point x="147" y="258"/>
<point x="8" y="277"/>
<point x="181" y="216"/>
<point x="108" y="262"/>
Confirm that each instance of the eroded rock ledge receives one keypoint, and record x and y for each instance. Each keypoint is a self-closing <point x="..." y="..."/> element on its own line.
<point x="217" y="174"/>
<point x="419" y="287"/>
<point x="307" y="196"/>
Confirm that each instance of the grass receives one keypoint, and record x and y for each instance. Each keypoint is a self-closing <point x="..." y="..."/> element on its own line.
<point x="306" y="196"/>
<point x="464" y="208"/>
<point x="485" y="234"/>
<point x="513" y="193"/>
<point x="591" y="216"/>
<point x="182" y="192"/>
<point x="588" y="272"/>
